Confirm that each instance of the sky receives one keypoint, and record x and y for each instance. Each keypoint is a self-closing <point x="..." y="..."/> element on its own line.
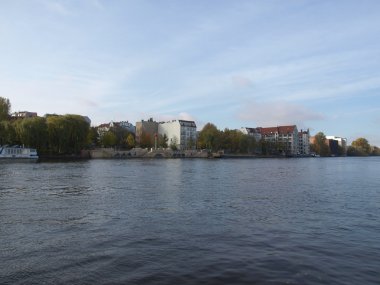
<point x="235" y="63"/>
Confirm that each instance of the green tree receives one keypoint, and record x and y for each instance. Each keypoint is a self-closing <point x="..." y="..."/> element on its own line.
<point x="375" y="151"/>
<point x="7" y="133"/>
<point x="320" y="146"/>
<point x="121" y="136"/>
<point x="174" y="143"/>
<point x="131" y="141"/>
<point x="109" y="139"/>
<point x="163" y="141"/>
<point x="32" y="132"/>
<point x="67" y="134"/>
<point x="209" y="137"/>
<point x="93" y="137"/>
<point x="247" y="144"/>
<point x="361" y="146"/>
<point x="5" y="108"/>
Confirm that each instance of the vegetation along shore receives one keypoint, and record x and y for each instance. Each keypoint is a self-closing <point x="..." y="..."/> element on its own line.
<point x="71" y="137"/>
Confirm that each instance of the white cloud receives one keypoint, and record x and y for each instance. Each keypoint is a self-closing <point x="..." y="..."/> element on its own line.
<point x="276" y="113"/>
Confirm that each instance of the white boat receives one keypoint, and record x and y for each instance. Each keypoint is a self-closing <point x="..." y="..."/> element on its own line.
<point x="17" y="153"/>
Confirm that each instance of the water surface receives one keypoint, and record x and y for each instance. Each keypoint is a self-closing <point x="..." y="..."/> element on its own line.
<point x="236" y="221"/>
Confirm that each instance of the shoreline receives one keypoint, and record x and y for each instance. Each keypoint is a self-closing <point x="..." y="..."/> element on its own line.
<point x="138" y="153"/>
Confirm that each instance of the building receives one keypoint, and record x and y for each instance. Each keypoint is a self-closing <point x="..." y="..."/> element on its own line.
<point x="333" y="147"/>
<point x="23" y="114"/>
<point x="146" y="130"/>
<point x="252" y="132"/>
<point x="124" y="125"/>
<point x="281" y="138"/>
<point x="181" y="133"/>
<point x="342" y="142"/>
<point x="304" y="142"/>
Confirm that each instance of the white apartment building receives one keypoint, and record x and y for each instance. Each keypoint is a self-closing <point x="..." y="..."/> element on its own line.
<point x="179" y="132"/>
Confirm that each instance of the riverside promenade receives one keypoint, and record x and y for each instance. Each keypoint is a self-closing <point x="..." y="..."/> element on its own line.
<point x="102" y="153"/>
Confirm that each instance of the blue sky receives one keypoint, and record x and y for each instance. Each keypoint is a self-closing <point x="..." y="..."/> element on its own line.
<point x="234" y="63"/>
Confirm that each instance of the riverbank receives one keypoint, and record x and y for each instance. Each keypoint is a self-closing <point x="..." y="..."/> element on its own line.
<point x="102" y="153"/>
<point x="111" y="153"/>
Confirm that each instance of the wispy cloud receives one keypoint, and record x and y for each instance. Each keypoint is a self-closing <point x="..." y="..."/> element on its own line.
<point x="338" y="90"/>
<point x="241" y="81"/>
<point x="56" y="7"/>
<point x="97" y="4"/>
<point x="275" y="113"/>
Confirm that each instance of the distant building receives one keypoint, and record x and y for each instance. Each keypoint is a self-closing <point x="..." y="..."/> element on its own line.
<point x="147" y="129"/>
<point x="181" y="133"/>
<point x="304" y="142"/>
<point x="252" y="132"/>
<point x="342" y="142"/>
<point x="333" y="147"/>
<point x="285" y="138"/>
<point x="23" y="114"/>
<point x="125" y="125"/>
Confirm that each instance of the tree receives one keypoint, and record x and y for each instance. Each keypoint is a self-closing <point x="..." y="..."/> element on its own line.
<point x="121" y="135"/>
<point x="362" y="146"/>
<point x="173" y="143"/>
<point x="131" y="141"/>
<point x="146" y="140"/>
<point x="320" y="146"/>
<point x="163" y="141"/>
<point x="375" y="151"/>
<point x="7" y="133"/>
<point x="5" y="108"/>
<point x="209" y="137"/>
<point x="109" y="139"/>
<point x="67" y="134"/>
<point x="32" y="132"/>
<point x="93" y="137"/>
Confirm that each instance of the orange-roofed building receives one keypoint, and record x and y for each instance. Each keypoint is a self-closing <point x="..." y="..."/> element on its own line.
<point x="285" y="137"/>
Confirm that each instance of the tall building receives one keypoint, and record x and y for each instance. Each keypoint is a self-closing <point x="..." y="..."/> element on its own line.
<point x="304" y="142"/>
<point x="181" y="133"/>
<point x="146" y="130"/>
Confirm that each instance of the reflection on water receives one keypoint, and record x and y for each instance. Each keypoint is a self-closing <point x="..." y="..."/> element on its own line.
<point x="266" y="221"/>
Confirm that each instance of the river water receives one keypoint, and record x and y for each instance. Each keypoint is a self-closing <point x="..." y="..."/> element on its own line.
<point x="191" y="221"/>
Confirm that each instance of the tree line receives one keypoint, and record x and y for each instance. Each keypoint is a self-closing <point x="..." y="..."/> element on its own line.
<point x="52" y="134"/>
<point x="230" y="141"/>
<point x="116" y="136"/>
<point x="359" y="147"/>
<point x="69" y="134"/>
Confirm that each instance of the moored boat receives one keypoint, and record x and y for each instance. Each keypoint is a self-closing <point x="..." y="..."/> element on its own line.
<point x="17" y="153"/>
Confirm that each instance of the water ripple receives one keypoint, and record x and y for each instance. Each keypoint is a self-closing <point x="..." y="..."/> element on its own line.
<point x="259" y="221"/>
